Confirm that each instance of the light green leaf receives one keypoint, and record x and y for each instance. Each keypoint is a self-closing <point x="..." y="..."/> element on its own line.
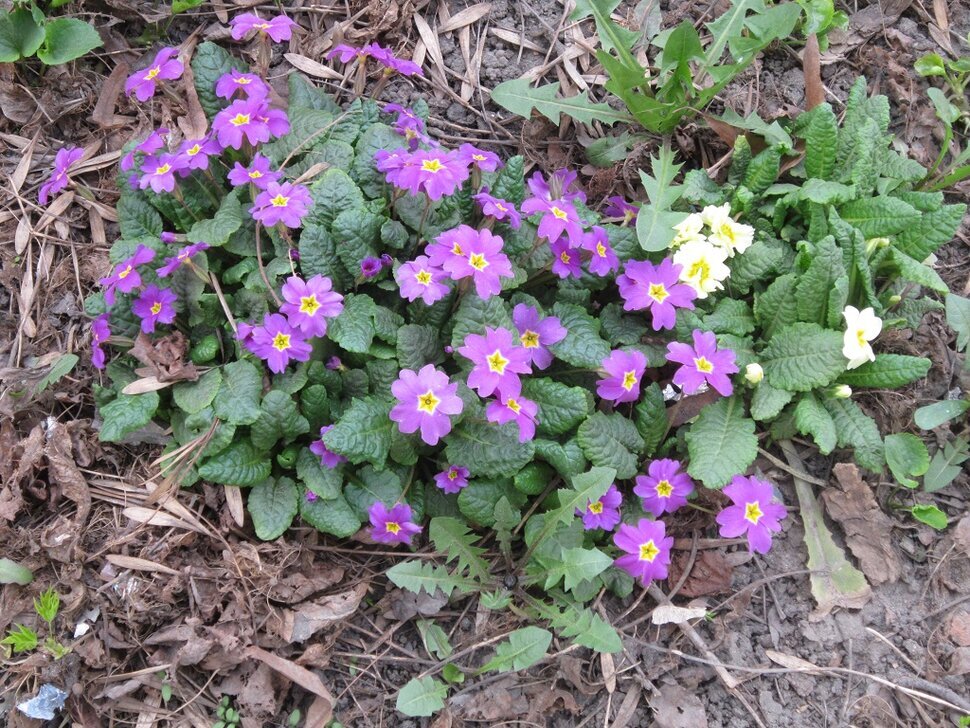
<point x="217" y="230"/>
<point x="435" y="639"/>
<point x="888" y="371"/>
<point x="907" y="458"/>
<point x="237" y="400"/>
<point x="524" y="648"/>
<point x="946" y="465"/>
<point x="583" y="346"/>
<point x="958" y="318"/>
<point x="417" y="576"/>
<point x="915" y="272"/>
<point x="518" y="96"/>
<point x="273" y="504"/>
<point x="421" y="696"/>
<point x="933" y="415"/>
<point x="20" y="35"/>
<point x="613" y="37"/>
<point x="66" y="39"/>
<point x="487" y="449"/>
<point x="879" y="216"/>
<point x="13" y="573"/>
<point x="811" y="418"/>
<point x="455" y="539"/>
<point x="767" y="402"/>
<point x="611" y="441"/>
<point x="588" y="486"/>
<point x="721" y="443"/>
<point x="819" y="128"/>
<point x="857" y="430"/>
<point x="777" y="307"/>
<point x="561" y="408"/>
<point x="579" y="565"/>
<point x="934" y="229"/>
<point x="930" y="515"/>
<point x="62" y="367"/>
<point x="586" y="628"/>
<point x="478" y="502"/>
<point x="125" y="414"/>
<point x="239" y="464"/>
<point x="363" y="433"/>
<point x="803" y="356"/>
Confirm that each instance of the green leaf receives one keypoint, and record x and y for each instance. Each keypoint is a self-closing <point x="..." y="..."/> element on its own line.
<point x="62" y="367"/>
<point x="579" y="565"/>
<point x="421" y="696"/>
<point x="13" y="573"/>
<point x="358" y="230"/>
<point x="857" y="430"/>
<point x="802" y="357"/>
<point x="915" y="272"/>
<point x="474" y="315"/>
<point x="193" y="397"/>
<point x="730" y="316"/>
<point x="946" y="465"/>
<point x="518" y="96"/>
<point x="767" y="402"/>
<point x="20" y="35"/>
<point x="435" y="639"/>
<point x="777" y="307"/>
<point x="655" y="223"/>
<point x="417" y="345"/>
<point x="588" y="486"/>
<point x="20" y="639"/>
<point x="239" y="464"/>
<point x="334" y="192"/>
<point x="181" y="6"/>
<point x="127" y="413"/>
<point x="613" y="37"/>
<point x="372" y="486"/>
<point x="417" y="576"/>
<point x="318" y="255"/>
<point x="487" y="449"/>
<point x="958" y="319"/>
<point x="66" y="39"/>
<point x="611" y="441"/>
<point x="237" y="401"/>
<point x="586" y="628"/>
<point x="721" y="443"/>
<point x="811" y="418"/>
<point x="334" y="516"/>
<point x="879" y="216"/>
<point x="819" y="129"/>
<point x="217" y="230"/>
<point x="567" y="458"/>
<point x="930" y="515"/>
<point x="814" y="285"/>
<point x="934" y="229"/>
<point x="455" y="539"/>
<point x="933" y="415"/>
<point x="273" y="504"/>
<point x="582" y="346"/>
<point x="650" y="418"/>
<point x="478" y="502"/>
<point x="209" y="63"/>
<point x="136" y="217"/>
<point x="363" y="433"/>
<point x="907" y="458"/>
<point x="561" y="408"/>
<point x="888" y="371"/>
<point x="524" y="648"/>
<point x="279" y="419"/>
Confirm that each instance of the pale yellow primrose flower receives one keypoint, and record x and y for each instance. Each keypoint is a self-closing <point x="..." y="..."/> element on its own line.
<point x="842" y="391"/>
<point x="734" y="237"/>
<point x="861" y="327"/>
<point x="754" y="374"/>
<point x="688" y="230"/>
<point x="702" y="266"/>
<point x="713" y="216"/>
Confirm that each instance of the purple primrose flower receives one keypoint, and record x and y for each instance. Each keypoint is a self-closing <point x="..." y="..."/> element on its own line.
<point x="510" y="406"/>
<point x="258" y="172"/>
<point x="279" y="28"/>
<point x="251" y="120"/>
<point x="154" y="305"/>
<point x="99" y="334"/>
<point x="308" y="304"/>
<point x="195" y="153"/>
<point x="603" y="513"/>
<point x="328" y="458"/>
<point x="565" y="259"/>
<point x="498" y="208"/>
<point x="480" y="258"/>
<point x="623" y="370"/>
<point x="658" y="288"/>
<point x="287" y="203"/>
<point x="752" y="512"/>
<point x="125" y="277"/>
<point x="174" y="263"/>
<point x="702" y="363"/>
<point x="617" y="207"/>
<point x="536" y="334"/>
<point x="63" y="161"/>
<point x="420" y="279"/>
<point x="647" y="550"/>
<point x="498" y="362"/>
<point x="560" y="184"/>
<point x="665" y="487"/>
<point x="159" y="172"/>
<point x="152" y="143"/>
<point x="249" y="85"/>
<point x="453" y="479"/>
<point x="144" y="83"/>
<point x="278" y="343"/>
<point x="603" y="260"/>
<point x="435" y="172"/>
<point x="559" y="218"/>
<point x="425" y="400"/>
<point x="392" y="526"/>
<point x="485" y="161"/>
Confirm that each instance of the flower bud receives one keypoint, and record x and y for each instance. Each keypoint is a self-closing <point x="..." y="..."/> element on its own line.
<point x="874" y="244"/>
<point x="754" y="373"/>
<point x="842" y="391"/>
<point x="893" y="300"/>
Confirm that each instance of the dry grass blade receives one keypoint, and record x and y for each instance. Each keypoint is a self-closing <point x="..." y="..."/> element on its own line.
<point x="146" y="384"/>
<point x="430" y="39"/>
<point x="311" y="67"/>
<point x="234" y="501"/>
<point x="516" y="38"/>
<point x="136" y="564"/>
<point x="23" y="166"/>
<point x="467" y="16"/>
<point x="152" y="517"/>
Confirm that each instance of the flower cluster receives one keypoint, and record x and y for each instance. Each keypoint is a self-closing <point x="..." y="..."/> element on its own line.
<point x="384" y="56"/>
<point x="703" y="242"/>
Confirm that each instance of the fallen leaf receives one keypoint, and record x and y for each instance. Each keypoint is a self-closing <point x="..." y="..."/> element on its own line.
<point x="711" y="573"/>
<point x="493" y="704"/>
<point x="671" y="614"/>
<point x="299" y="624"/>
<point x="958" y="628"/>
<point x="676" y="707"/>
<point x="961" y="535"/>
<point x="812" y="70"/>
<point x="293" y="672"/>
<point x="868" y="531"/>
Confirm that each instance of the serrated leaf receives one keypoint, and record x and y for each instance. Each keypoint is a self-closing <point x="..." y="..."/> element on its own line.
<point x="579" y="565"/>
<point x="478" y="501"/>
<point x="879" y="216"/>
<point x="279" y="419"/>
<point x="802" y="357"/>
<point x="455" y="539"/>
<point x="524" y="648"/>
<point x="857" y="430"/>
<point x="819" y="128"/>
<point x="125" y="414"/>
<point x="907" y="458"/>
<point x="435" y="639"/>
<point x="588" y="486"/>
<point x="239" y="464"/>
<point x="353" y="329"/>
<point x="888" y="371"/>
<point x="334" y="516"/>
<point x="193" y="397"/>
<point x="811" y="418"/>
<point x="487" y="449"/>
<point x="474" y="315"/>
<point x="583" y="346"/>
<point x="518" y="96"/>
<point x="417" y="576"/>
<point x="421" y="696"/>
<point x="611" y="441"/>
<point x="934" y="229"/>
<point x="237" y="400"/>
<point x="777" y="307"/>
<point x="363" y="433"/>
<point x="273" y="504"/>
<point x="958" y="319"/>
<point x="561" y="408"/>
<point x="586" y="628"/>
<point x="567" y="457"/>
<point x="136" y="217"/>
<point x="721" y="443"/>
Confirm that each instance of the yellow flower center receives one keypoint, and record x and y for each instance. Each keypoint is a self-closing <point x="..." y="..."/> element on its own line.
<point x="194" y="149"/>
<point x="596" y="507"/>
<point x="601" y="250"/>
<point x="860" y="336"/>
<point x="699" y="270"/>
<point x="500" y="207"/>
<point x="163" y="169"/>
<point x="456" y="249"/>
<point x="629" y="380"/>
<point x="156" y="308"/>
<point x="243" y="81"/>
<point x="561" y="214"/>
<point x="703" y="365"/>
<point x="153" y="73"/>
<point x="627" y="216"/>
<point x="309" y="305"/>
<point x="478" y="157"/>
<point x="239" y="120"/>
<point x="752" y="512"/>
<point x="423" y="277"/>
<point x="564" y="257"/>
<point x="264" y="26"/>
<point x="125" y="273"/>
<point x="530" y="339"/>
<point x="664" y="489"/>
<point x="726" y="231"/>
<point x="427" y="402"/>
<point x="452" y="474"/>
<point x="280" y="201"/>
<point x="648" y="551"/>
<point x="281" y="342"/>
<point x="658" y="292"/>
<point x="477" y="261"/>
<point x="183" y="255"/>
<point x="393" y="527"/>
<point x="255" y="174"/>
<point x="513" y="405"/>
<point x="432" y="165"/>
<point x="497" y="362"/>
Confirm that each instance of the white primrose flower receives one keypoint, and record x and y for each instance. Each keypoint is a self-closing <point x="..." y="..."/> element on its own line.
<point x="734" y="237"/>
<point x="754" y="373"/>
<point x="712" y="215"/>
<point x="842" y="391"/>
<point x="861" y="327"/>
<point x="702" y="266"/>
<point x="688" y="230"/>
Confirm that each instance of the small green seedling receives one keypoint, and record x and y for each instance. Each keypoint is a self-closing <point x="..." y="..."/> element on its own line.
<point x="26" y="31"/>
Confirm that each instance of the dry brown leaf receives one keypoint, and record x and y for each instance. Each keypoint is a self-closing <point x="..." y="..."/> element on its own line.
<point x="469" y="15"/>
<point x="671" y="614"/>
<point x="961" y="535"/>
<point x="628" y="707"/>
<point x="676" y="707"/>
<point x="710" y="574"/>
<point x="234" y="502"/>
<point x="430" y="39"/>
<point x="22" y="235"/>
<point x="64" y="472"/>
<point x="311" y="67"/>
<point x="152" y="517"/>
<point x="868" y="531"/>
<point x="293" y="672"/>
<point x="516" y="38"/>
<point x="958" y="628"/>
<point x="812" y="71"/>
<point x="136" y="564"/>
<point x="104" y="110"/>
<point x="23" y="166"/>
<point x="494" y="704"/>
<point x="301" y="623"/>
<point x="145" y="384"/>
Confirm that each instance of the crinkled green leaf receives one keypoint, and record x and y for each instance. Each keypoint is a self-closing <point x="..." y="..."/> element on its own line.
<point x="209" y="63"/>
<point x="721" y="443"/>
<point x="195" y="396"/>
<point x="218" y="229"/>
<point x="933" y="230"/>
<point x="567" y="457"/>
<point x="814" y="285"/>
<point x="561" y="408"/>
<point x="819" y="129"/>
<point x="857" y="430"/>
<point x="583" y="346"/>
<point x="474" y="315"/>
<point x="363" y="433"/>
<point x="888" y="371"/>
<point x="811" y="418"/>
<point x="611" y="441"/>
<point x="239" y="464"/>
<point x="767" y="402"/>
<point x="334" y="192"/>
<point x="136" y="217"/>
<point x="417" y="345"/>
<point x="803" y="356"/>
<point x="487" y="449"/>
<point x="777" y="307"/>
<point x="318" y="255"/>
<point x="237" y="400"/>
<point x="273" y="504"/>
<point x="879" y="216"/>
<point x="477" y="501"/>
<point x="326" y="483"/>
<point x="279" y="419"/>
<point x="332" y="516"/>
<point x="127" y="413"/>
<point x="369" y="486"/>
<point x="730" y="316"/>
<point x="353" y="329"/>
<point x="650" y="418"/>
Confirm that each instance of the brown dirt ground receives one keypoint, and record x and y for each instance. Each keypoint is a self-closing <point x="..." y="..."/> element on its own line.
<point x="183" y="602"/>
